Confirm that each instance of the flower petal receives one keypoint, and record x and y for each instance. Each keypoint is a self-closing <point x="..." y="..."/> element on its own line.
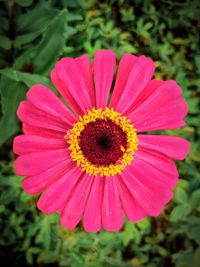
<point x="132" y="209"/>
<point x="172" y="146"/>
<point x="140" y="74"/>
<point x="125" y="66"/>
<point x="37" y="183"/>
<point x="112" y="216"/>
<point x="47" y="133"/>
<point x="59" y="192"/>
<point x="104" y="67"/>
<point x="149" y="179"/>
<point x="161" y="95"/>
<point x="163" y="109"/>
<point x="63" y="90"/>
<point x="146" y="93"/>
<point x="92" y="213"/>
<point x="24" y="144"/>
<point x="44" y="99"/>
<point x="169" y="116"/>
<point x="86" y="68"/>
<point x="31" y="115"/>
<point x="74" y="208"/>
<point x="164" y="166"/>
<point x="73" y="80"/>
<point x="35" y="163"/>
<point x="150" y="193"/>
<point x="169" y="180"/>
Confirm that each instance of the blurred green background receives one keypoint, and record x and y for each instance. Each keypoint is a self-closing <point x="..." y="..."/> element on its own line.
<point x="33" y="36"/>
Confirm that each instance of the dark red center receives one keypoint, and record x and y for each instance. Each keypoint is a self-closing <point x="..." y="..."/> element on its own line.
<point x="101" y="142"/>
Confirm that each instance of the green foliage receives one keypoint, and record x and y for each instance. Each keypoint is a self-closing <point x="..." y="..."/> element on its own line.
<point x="33" y="36"/>
<point x="9" y="101"/>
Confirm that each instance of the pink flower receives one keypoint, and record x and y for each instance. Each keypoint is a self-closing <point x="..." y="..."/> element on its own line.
<point x="92" y="161"/>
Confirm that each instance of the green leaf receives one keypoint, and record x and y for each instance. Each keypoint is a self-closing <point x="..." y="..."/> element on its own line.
<point x="195" y="151"/>
<point x="194" y="231"/>
<point x="73" y="17"/>
<point x="29" y="254"/>
<point x="193" y="105"/>
<point x="25" y="197"/>
<point x="44" y="236"/>
<point x="11" y="94"/>
<point x="2" y="208"/>
<point x="24" y="3"/>
<point x="196" y="259"/>
<point x="47" y="256"/>
<point x="33" y="23"/>
<point x="180" y="196"/>
<point x="36" y="19"/>
<point x="7" y="196"/>
<point x="128" y="233"/>
<point x="144" y="224"/>
<point x="180" y="212"/>
<point x="26" y="78"/>
<point x="5" y="42"/>
<point x="197" y="61"/>
<point x="183" y="258"/>
<point x="13" y="181"/>
<point x="195" y="199"/>
<point x="46" y="53"/>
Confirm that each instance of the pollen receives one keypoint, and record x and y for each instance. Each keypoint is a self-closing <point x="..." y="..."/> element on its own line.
<point x="102" y="142"/>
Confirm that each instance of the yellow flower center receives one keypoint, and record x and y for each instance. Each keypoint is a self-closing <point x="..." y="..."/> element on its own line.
<point x="102" y="142"/>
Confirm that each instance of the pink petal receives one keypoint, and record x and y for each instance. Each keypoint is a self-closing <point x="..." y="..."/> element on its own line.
<point x="73" y="80"/>
<point x="165" y="167"/>
<point x="37" y="183"/>
<point x="132" y="209"/>
<point x="44" y="99"/>
<point x="169" y="116"/>
<point x="64" y="91"/>
<point x="140" y="74"/>
<point x="60" y="209"/>
<point x="104" y="67"/>
<point x="59" y="192"/>
<point x="172" y="146"/>
<point x="86" y="68"/>
<point x="29" y="114"/>
<point x="74" y="208"/>
<point x="163" y="94"/>
<point x="47" y="133"/>
<point x="125" y="66"/>
<point x="145" y="94"/>
<point x="92" y="213"/>
<point x="156" y="185"/>
<point x="169" y="180"/>
<point x="146" y="193"/>
<point x="24" y="144"/>
<point x="112" y="216"/>
<point x="35" y="163"/>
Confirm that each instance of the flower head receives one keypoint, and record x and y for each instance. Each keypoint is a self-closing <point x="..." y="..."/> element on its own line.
<point x="91" y="161"/>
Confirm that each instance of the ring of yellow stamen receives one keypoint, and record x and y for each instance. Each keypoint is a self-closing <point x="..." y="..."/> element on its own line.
<point x="76" y="153"/>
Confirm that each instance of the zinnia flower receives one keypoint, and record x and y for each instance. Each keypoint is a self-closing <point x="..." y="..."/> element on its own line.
<point x="89" y="157"/>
